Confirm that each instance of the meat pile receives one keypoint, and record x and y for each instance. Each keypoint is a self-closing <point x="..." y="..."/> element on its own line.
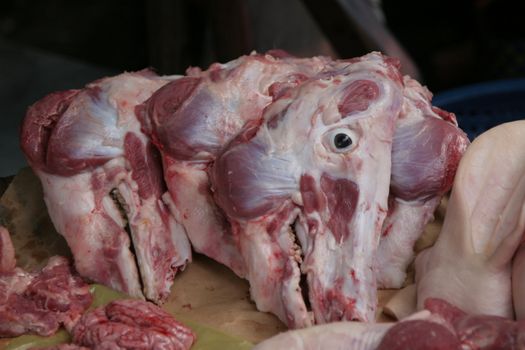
<point x="312" y="178"/>
<point x="131" y="324"/>
<point x="128" y="324"/>
<point x="40" y="302"/>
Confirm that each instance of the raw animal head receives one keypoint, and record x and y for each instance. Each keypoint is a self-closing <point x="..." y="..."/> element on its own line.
<point x="102" y="182"/>
<point x="319" y="162"/>
<point x="193" y="118"/>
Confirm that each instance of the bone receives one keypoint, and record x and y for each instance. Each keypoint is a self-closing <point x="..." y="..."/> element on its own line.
<point x="83" y="144"/>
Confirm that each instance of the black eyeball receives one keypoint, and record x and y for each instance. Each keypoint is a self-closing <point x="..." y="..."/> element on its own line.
<point x="342" y="141"/>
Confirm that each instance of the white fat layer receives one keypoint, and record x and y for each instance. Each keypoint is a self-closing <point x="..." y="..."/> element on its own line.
<point x="98" y="121"/>
<point x="71" y="206"/>
<point x="340" y="335"/>
<point x="273" y="175"/>
<point x="337" y="336"/>
<point x="95" y="132"/>
<point x="396" y="250"/>
<point x="196" y="212"/>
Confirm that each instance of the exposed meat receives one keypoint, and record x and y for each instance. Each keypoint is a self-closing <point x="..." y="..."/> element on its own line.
<point x="280" y="168"/>
<point x="477" y="262"/>
<point x="131" y="324"/>
<point x="7" y="252"/>
<point x="440" y="326"/>
<point x="303" y="143"/>
<point x="101" y="178"/>
<point x="419" y="334"/>
<point x="426" y="150"/>
<point x="333" y="167"/>
<point x="479" y="331"/>
<point x="338" y="188"/>
<point x="41" y="302"/>
<point x="193" y="118"/>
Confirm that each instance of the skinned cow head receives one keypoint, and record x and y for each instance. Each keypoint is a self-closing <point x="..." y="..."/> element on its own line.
<point x="320" y="163"/>
<point x="102" y="183"/>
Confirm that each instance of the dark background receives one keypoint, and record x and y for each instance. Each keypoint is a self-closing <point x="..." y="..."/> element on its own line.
<point x="51" y="45"/>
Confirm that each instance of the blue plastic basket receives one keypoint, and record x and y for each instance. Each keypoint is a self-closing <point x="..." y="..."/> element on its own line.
<point x="480" y="107"/>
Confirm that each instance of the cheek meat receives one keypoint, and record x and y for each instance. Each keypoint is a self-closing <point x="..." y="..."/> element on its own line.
<point x="249" y="188"/>
<point x="425" y="156"/>
<point x="341" y="200"/>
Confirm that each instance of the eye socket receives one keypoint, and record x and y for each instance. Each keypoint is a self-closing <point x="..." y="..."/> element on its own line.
<point x="342" y="140"/>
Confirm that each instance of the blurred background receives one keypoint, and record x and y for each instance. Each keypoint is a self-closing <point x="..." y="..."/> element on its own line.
<point x="51" y="45"/>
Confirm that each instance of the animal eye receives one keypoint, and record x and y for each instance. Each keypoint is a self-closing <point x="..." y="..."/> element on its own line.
<point x="341" y="140"/>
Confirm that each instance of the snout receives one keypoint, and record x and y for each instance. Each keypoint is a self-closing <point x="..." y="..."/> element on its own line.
<point x="339" y="259"/>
